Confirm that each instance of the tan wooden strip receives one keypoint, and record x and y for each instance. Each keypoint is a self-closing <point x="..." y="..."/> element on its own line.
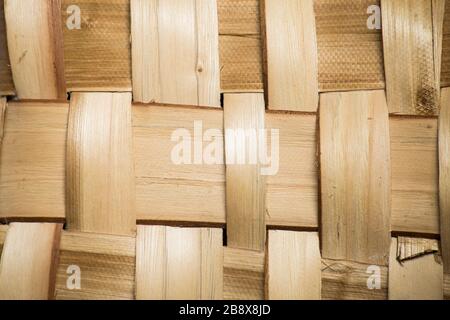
<point x="292" y="193"/>
<point x="32" y="163"/>
<point x="179" y="263"/>
<point x="414" y="166"/>
<point x="166" y="69"/>
<point x="417" y="278"/>
<point x="2" y="118"/>
<point x="445" y="66"/>
<point x="355" y="176"/>
<point x="95" y="266"/>
<point x="27" y="266"/>
<point x="438" y="7"/>
<point x="97" y="56"/>
<point x="243" y="274"/>
<point x="100" y="177"/>
<point x="294" y="266"/>
<point x="446" y="286"/>
<point x="291" y="55"/>
<point x="172" y="183"/>
<point x="3" y="230"/>
<point x="35" y="48"/>
<point x="345" y="280"/>
<point x="409" y="57"/>
<point x="444" y="177"/>
<point x="245" y="184"/>
<point x="6" y="81"/>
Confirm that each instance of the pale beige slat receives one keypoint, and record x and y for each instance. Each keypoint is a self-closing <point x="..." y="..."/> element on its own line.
<point x="100" y="177"/>
<point x="179" y="263"/>
<point x="166" y="190"/>
<point x="414" y="166"/>
<point x="245" y="182"/>
<point x="175" y="51"/>
<point x="28" y="261"/>
<point x="291" y="55"/>
<point x="35" y="48"/>
<point x="106" y="264"/>
<point x="355" y="176"/>
<point x="420" y="278"/>
<point x="32" y="163"/>
<point x="294" y="266"/>
<point x="409" y="57"/>
<point x="444" y="177"/>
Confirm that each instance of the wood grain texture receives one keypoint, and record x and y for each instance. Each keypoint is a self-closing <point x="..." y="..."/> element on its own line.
<point x="32" y="163"/>
<point x="409" y="57"/>
<point x="294" y="266"/>
<point x="6" y="80"/>
<point x="2" y="119"/>
<point x="179" y="263"/>
<point x="28" y="261"/>
<point x="35" y="48"/>
<point x="445" y="66"/>
<point x="438" y="11"/>
<point x="444" y="177"/>
<point x="3" y="231"/>
<point x="291" y="48"/>
<point x="243" y="274"/>
<point x="355" y="176"/>
<point x="171" y="69"/>
<point x="106" y="264"/>
<point x="345" y="280"/>
<point x="446" y="286"/>
<point x="419" y="278"/>
<point x="100" y="176"/>
<point x="97" y="57"/>
<point x="245" y="184"/>
<point x="292" y="194"/>
<point x="350" y="54"/>
<point x="172" y="190"/>
<point x="414" y="166"/>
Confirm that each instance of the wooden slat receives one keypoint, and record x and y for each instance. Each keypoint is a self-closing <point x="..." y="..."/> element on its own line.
<point x="167" y="191"/>
<point x="3" y="230"/>
<point x="409" y="57"/>
<point x="446" y="286"/>
<point x="6" y="81"/>
<point x="179" y="263"/>
<point x="170" y="69"/>
<point x="291" y="55"/>
<point x="414" y="166"/>
<point x="294" y="266"/>
<point x="97" y="57"/>
<point x="35" y="48"/>
<point x="345" y="280"/>
<point x="245" y="184"/>
<point x="445" y="66"/>
<point x="355" y="176"/>
<point x="106" y="266"/>
<point x="418" y="278"/>
<point x="292" y="193"/>
<point x="28" y="263"/>
<point x="32" y="163"/>
<point x="100" y="177"/>
<point x="243" y="274"/>
<point x="2" y="118"/>
<point x="438" y="11"/>
<point x="444" y="177"/>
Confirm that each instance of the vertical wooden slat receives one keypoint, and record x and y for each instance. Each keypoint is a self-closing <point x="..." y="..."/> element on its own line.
<point x="27" y="267"/>
<point x="175" y="52"/>
<point x="414" y="270"/>
<point x="179" y="263"/>
<point x="355" y="176"/>
<point x="245" y="185"/>
<point x="294" y="266"/>
<point x="100" y="176"/>
<point x="35" y="48"/>
<point x="6" y="81"/>
<point x="291" y="55"/>
<point x="409" y="57"/>
<point x="2" y="118"/>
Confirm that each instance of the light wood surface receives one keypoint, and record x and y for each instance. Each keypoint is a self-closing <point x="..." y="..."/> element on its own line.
<point x="167" y="67"/>
<point x="3" y="230"/>
<point x="27" y="266"/>
<point x="6" y="81"/>
<point x="100" y="178"/>
<point x="245" y="183"/>
<point x="179" y="263"/>
<point x="291" y="47"/>
<point x="355" y="176"/>
<point x="294" y="266"/>
<point x="35" y="48"/>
